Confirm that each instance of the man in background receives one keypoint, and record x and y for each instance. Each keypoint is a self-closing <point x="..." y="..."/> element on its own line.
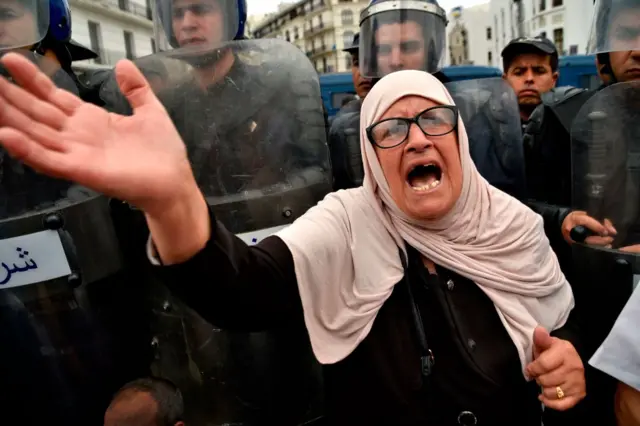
<point x="531" y="69"/>
<point x="361" y="84"/>
<point x="146" y="402"/>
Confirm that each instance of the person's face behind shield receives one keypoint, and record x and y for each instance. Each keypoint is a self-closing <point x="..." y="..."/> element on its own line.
<point x="400" y="46"/>
<point x="624" y="41"/>
<point x="198" y="23"/>
<point x="421" y="164"/>
<point x="362" y="85"/>
<point x="18" y="26"/>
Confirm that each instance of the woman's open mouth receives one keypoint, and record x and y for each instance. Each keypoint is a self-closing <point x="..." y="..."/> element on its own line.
<point x="425" y="177"/>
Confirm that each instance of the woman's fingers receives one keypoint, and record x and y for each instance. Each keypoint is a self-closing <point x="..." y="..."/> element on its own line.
<point x="552" y="379"/>
<point x="36" y="109"/>
<point x="38" y="157"/>
<point x="29" y="76"/>
<point x="569" y="389"/>
<point x="12" y="117"/>
<point x="560" y="404"/>
<point x="573" y="393"/>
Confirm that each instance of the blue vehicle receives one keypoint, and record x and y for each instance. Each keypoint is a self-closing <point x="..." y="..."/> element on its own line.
<point x="337" y="86"/>
<point x="579" y="71"/>
<point x="334" y="87"/>
<point x="576" y="71"/>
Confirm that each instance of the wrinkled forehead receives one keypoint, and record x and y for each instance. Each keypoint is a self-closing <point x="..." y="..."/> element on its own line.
<point x="409" y="106"/>
<point x="401" y="84"/>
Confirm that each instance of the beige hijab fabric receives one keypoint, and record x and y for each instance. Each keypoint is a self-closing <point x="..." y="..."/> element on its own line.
<point x="346" y="256"/>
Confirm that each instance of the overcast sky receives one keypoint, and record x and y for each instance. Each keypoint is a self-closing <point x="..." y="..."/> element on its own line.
<point x="265" y="6"/>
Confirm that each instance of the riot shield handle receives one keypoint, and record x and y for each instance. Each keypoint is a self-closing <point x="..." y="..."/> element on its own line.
<point x="580" y="233"/>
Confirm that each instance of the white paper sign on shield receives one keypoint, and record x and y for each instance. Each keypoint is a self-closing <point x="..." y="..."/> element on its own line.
<point x="33" y="258"/>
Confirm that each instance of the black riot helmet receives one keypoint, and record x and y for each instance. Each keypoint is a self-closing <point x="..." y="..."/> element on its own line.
<point x="614" y="28"/>
<point x="401" y="34"/>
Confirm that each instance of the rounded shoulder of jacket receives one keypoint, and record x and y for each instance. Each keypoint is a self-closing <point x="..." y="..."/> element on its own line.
<point x="95" y="78"/>
<point x="559" y="95"/>
<point x="346" y="120"/>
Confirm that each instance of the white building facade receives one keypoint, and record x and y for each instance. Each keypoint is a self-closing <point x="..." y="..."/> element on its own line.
<point x="320" y="28"/>
<point x="467" y="30"/>
<point x="115" y="29"/>
<point x="565" y="22"/>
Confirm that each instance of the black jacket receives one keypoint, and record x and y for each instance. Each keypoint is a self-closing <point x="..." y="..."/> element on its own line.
<point x="476" y="375"/>
<point x="547" y="144"/>
<point x="236" y="131"/>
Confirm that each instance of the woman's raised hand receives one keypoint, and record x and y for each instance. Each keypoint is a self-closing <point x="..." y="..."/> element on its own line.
<point x="140" y="159"/>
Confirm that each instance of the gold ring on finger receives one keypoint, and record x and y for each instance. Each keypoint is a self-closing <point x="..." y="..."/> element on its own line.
<point x="559" y="392"/>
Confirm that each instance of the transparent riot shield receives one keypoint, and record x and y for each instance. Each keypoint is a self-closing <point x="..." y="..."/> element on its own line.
<point x="606" y="185"/>
<point x="72" y="319"/>
<point x="251" y="117"/>
<point x="489" y="110"/>
<point x="605" y="149"/>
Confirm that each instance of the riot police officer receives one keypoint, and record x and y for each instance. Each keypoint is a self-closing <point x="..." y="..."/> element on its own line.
<point x="72" y="332"/>
<point x="42" y="32"/>
<point x="531" y="67"/>
<point x="360" y="83"/>
<point x="397" y="35"/>
<point x="251" y="117"/>
<point x="248" y="124"/>
<point x="550" y="124"/>
<point x="604" y="185"/>
<point x="380" y="52"/>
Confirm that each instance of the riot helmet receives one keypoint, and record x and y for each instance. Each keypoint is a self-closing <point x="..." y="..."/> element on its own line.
<point x="37" y="25"/>
<point x="203" y="23"/>
<point x="401" y="34"/>
<point x="614" y="28"/>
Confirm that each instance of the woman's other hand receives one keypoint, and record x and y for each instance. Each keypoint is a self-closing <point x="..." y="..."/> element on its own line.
<point x="558" y="369"/>
<point x="605" y="231"/>
<point x="140" y="159"/>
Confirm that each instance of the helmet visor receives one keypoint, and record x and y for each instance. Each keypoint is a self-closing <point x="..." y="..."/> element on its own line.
<point x="394" y="39"/>
<point x="197" y="24"/>
<point x="615" y="26"/>
<point x="22" y="22"/>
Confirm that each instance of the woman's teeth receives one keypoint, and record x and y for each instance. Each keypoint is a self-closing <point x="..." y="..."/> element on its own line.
<point x="427" y="186"/>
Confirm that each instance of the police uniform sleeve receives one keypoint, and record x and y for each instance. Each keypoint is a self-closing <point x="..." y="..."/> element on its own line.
<point x="233" y="285"/>
<point x="536" y="133"/>
<point x="619" y="354"/>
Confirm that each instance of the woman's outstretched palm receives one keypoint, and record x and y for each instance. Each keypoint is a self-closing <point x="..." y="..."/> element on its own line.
<point x="140" y="159"/>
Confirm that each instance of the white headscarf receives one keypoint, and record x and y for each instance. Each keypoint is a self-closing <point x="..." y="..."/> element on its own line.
<point x="346" y="256"/>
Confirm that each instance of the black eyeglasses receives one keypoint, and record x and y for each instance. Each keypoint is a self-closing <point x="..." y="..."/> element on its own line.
<point x="435" y="121"/>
